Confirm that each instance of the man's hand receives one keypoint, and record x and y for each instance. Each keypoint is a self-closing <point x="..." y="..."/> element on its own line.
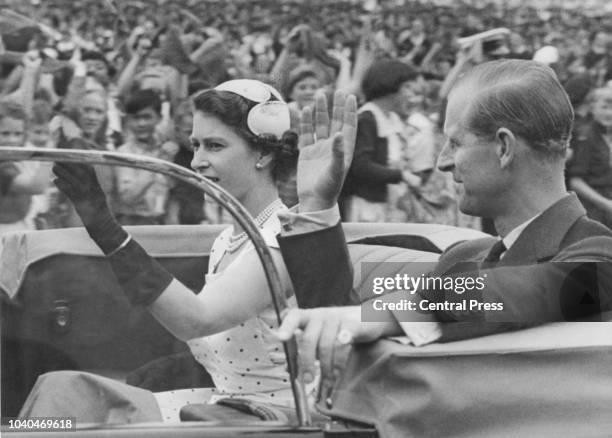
<point x="326" y="334"/>
<point x="325" y="151"/>
<point x="412" y="180"/>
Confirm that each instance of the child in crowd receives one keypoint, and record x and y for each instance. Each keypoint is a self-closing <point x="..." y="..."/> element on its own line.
<point x="186" y="204"/>
<point x="18" y="180"/>
<point x="141" y="196"/>
<point x="39" y="135"/>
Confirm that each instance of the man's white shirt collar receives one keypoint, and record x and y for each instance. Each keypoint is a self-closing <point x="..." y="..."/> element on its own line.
<point x="514" y="234"/>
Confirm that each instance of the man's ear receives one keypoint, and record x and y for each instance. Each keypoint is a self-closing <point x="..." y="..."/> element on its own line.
<point x="506" y="146"/>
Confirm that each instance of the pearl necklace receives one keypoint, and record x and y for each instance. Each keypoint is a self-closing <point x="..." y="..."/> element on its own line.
<point x="236" y="241"/>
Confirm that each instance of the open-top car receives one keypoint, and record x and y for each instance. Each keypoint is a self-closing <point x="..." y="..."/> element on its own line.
<point x="62" y="309"/>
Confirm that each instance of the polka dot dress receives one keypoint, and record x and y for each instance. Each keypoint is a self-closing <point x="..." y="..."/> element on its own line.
<point x="246" y="360"/>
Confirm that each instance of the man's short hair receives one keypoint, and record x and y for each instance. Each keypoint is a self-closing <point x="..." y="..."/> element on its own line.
<point x="141" y="99"/>
<point x="524" y="97"/>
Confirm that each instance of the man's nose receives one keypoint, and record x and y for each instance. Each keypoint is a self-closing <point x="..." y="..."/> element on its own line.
<point x="446" y="162"/>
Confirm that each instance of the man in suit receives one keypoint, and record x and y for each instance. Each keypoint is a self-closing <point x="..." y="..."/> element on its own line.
<point x="508" y="126"/>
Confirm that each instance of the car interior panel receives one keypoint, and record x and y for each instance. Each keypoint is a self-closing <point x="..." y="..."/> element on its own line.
<point x="62" y="309"/>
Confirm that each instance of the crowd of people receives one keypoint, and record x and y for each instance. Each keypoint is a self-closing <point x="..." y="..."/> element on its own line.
<point x="120" y="74"/>
<point x="421" y="128"/>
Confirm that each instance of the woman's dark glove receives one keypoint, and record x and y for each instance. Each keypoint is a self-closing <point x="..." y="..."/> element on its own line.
<point x="141" y="277"/>
<point x="80" y="184"/>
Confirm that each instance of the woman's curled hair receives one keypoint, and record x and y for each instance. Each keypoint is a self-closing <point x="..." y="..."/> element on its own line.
<point x="233" y="109"/>
<point x="285" y="152"/>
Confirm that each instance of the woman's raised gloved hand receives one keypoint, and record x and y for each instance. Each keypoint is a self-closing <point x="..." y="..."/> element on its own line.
<point x="141" y="277"/>
<point x="80" y="184"/>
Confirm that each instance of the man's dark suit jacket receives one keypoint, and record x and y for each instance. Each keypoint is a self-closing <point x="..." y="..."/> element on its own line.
<point x="560" y="268"/>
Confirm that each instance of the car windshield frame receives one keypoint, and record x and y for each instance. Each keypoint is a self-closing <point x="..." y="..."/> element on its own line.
<point x="233" y="206"/>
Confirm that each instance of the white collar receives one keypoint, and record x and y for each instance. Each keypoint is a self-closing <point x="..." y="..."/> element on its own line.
<point x="514" y="234"/>
<point x="386" y="124"/>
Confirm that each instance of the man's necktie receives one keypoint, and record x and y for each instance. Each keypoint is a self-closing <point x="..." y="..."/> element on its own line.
<point x="496" y="252"/>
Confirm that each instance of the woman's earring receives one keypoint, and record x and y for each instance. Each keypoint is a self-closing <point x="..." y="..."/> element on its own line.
<point x="258" y="166"/>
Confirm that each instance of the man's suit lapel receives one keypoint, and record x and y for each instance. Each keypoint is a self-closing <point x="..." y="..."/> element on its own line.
<point x="541" y="239"/>
<point x="538" y="242"/>
<point x="456" y="258"/>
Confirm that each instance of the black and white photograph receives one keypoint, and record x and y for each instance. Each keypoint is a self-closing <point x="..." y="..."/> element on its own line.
<point x="287" y="218"/>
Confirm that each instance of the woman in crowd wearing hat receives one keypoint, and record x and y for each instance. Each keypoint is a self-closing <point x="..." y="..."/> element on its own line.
<point x="302" y="84"/>
<point x="386" y="163"/>
<point x="241" y="142"/>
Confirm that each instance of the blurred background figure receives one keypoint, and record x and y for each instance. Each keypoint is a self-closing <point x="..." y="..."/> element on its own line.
<point x="391" y="161"/>
<point x="185" y="202"/>
<point x="302" y="84"/>
<point x="87" y="58"/>
<point x="141" y="197"/>
<point x="590" y="169"/>
<point x="18" y="180"/>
